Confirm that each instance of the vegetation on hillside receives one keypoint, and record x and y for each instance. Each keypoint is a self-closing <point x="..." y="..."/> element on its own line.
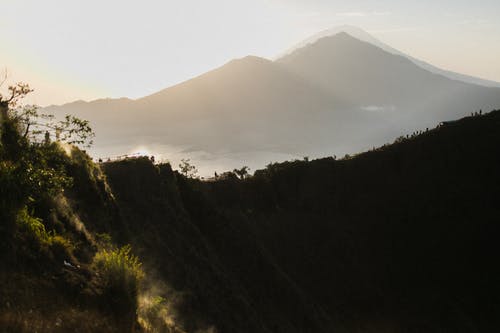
<point x="56" y="274"/>
<point x="401" y="238"/>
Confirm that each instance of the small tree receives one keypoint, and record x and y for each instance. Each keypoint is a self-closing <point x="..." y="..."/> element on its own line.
<point x="30" y="166"/>
<point x="16" y="93"/>
<point x="242" y="173"/>
<point x="32" y="124"/>
<point x="187" y="169"/>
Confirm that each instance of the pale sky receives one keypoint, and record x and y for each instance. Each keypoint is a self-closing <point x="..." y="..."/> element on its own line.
<point x="87" y="49"/>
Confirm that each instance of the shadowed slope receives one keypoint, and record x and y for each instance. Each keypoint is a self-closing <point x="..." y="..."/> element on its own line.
<point x="401" y="239"/>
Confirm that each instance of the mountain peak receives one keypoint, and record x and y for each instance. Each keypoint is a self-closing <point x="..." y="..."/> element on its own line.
<point x="250" y="59"/>
<point x="343" y="30"/>
<point x="364" y="36"/>
<point x="342" y="34"/>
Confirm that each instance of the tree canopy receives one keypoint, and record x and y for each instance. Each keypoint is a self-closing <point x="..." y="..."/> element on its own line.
<point x="38" y="127"/>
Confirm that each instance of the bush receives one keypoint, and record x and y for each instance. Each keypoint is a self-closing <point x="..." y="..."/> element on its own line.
<point x="32" y="228"/>
<point x="61" y="247"/>
<point x="120" y="273"/>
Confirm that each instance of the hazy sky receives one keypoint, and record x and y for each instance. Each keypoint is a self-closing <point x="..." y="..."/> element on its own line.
<point x="88" y="49"/>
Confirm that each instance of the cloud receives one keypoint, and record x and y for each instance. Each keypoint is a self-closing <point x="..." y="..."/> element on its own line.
<point x="477" y="21"/>
<point x="362" y="14"/>
<point x="377" y="108"/>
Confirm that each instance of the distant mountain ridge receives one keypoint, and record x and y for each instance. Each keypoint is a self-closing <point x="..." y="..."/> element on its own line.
<point x="336" y="95"/>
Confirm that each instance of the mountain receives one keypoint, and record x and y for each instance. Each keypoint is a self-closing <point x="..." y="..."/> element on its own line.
<point x="367" y="77"/>
<point x="337" y="95"/>
<point x="362" y="35"/>
<point x="403" y="238"/>
<point x="255" y="103"/>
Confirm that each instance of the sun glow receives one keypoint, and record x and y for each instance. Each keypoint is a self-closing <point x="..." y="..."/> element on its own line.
<point x="140" y="151"/>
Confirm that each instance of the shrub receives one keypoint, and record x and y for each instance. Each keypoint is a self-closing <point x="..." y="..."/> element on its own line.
<point x="121" y="273"/>
<point x="104" y="240"/>
<point x="61" y="247"/>
<point x="32" y="227"/>
<point x="32" y="230"/>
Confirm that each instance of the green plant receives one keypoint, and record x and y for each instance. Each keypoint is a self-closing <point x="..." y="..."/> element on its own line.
<point x="32" y="227"/>
<point x="33" y="230"/>
<point x="104" y="240"/>
<point x="121" y="273"/>
<point x="32" y="124"/>
<point x="61" y="247"/>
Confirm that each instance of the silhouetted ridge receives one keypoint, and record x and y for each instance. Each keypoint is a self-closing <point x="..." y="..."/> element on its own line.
<point x="400" y="238"/>
<point x="403" y="236"/>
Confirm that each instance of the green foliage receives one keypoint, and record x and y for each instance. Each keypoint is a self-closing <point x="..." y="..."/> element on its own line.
<point x="121" y="273"/>
<point x="71" y="130"/>
<point x="39" y="127"/>
<point x="61" y="247"/>
<point x="32" y="228"/>
<point x="44" y="170"/>
<point x="37" y="172"/>
<point x="31" y="169"/>
<point x="10" y="191"/>
<point x="104" y="240"/>
<point x="75" y="131"/>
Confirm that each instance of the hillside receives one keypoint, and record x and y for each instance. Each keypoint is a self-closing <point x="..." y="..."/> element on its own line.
<point x="401" y="238"/>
